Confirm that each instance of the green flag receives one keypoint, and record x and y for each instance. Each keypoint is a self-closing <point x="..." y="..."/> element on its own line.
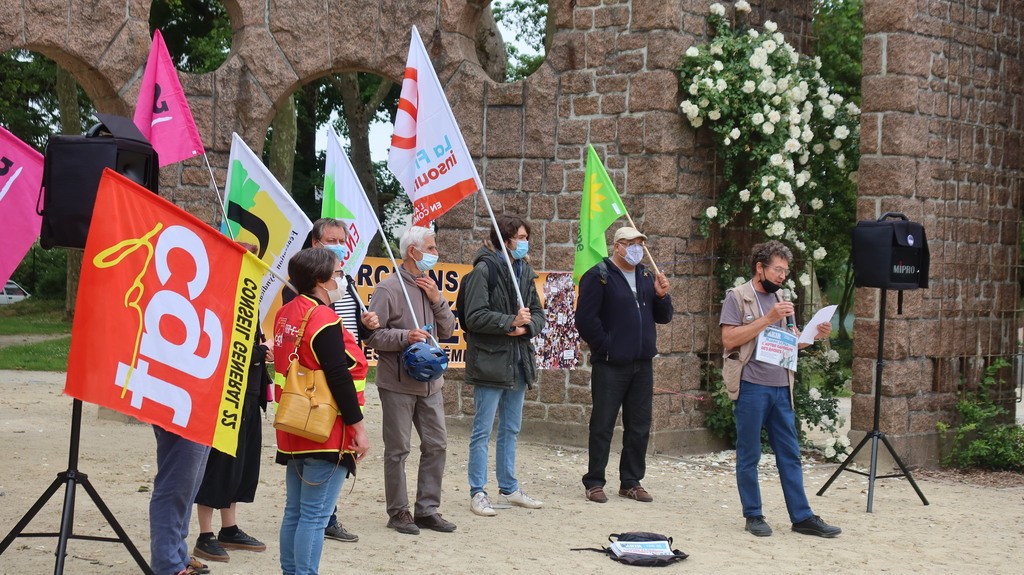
<point x="601" y="206"/>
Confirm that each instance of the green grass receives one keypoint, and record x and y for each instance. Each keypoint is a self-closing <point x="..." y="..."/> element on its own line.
<point x="34" y="316"/>
<point x="50" y="355"/>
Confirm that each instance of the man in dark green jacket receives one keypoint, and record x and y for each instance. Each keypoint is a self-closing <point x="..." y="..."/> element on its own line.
<point x="500" y="358"/>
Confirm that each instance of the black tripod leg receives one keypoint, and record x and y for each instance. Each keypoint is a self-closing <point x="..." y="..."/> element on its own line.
<point x="872" y="469"/>
<point x="112" y="521"/>
<point x="67" y="522"/>
<point x="846" y="463"/>
<point x="903" y="469"/>
<point x="31" y="513"/>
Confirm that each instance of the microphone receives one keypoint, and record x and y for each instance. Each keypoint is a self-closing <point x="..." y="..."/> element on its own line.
<point x="787" y="296"/>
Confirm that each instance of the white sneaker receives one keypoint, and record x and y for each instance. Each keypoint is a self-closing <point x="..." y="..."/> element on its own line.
<point x="521" y="499"/>
<point x="481" y="505"/>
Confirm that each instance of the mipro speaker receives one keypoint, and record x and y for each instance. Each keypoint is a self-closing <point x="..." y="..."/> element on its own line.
<point x="890" y="253"/>
<point x="72" y="167"/>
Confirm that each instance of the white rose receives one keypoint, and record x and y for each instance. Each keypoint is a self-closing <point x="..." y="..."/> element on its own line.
<point x="770" y="46"/>
<point x="720" y="85"/>
<point x="844" y="441"/>
<point x="852" y="109"/>
<point x="753" y="33"/>
<point x="807" y="135"/>
<point x="840" y="161"/>
<point x="756" y="208"/>
<point x="814" y="394"/>
<point x="714" y="115"/>
<point x="703" y="102"/>
<point x="792" y="145"/>
<point x="726" y="141"/>
<point x="820" y="253"/>
<point x="835" y="144"/>
<point x="828" y="111"/>
<point x="830" y="452"/>
<point x="734" y="133"/>
<point x="777" y="229"/>
<point x="768" y="195"/>
<point x="697" y="122"/>
<point x="692" y="52"/>
<point x="768" y="128"/>
<point x="770" y="26"/>
<point x="749" y="87"/>
<point x="800" y="246"/>
<point x="794" y="131"/>
<point x="744" y="195"/>
<point x="718" y="66"/>
<point x="817" y="204"/>
<point x="742" y="6"/>
<point x="786" y="189"/>
<point x="774" y="116"/>
<point x="767" y="86"/>
<point x="717" y="9"/>
<point x="805" y="280"/>
<point x="785" y="213"/>
<point x="842" y="132"/>
<point x="818" y="148"/>
<point x="757" y="118"/>
<point x="738" y="282"/>
<point x="716" y="50"/>
<point x="790" y="168"/>
<point x="832" y="356"/>
<point x="804" y="158"/>
<point x="694" y="88"/>
<point x="712" y="212"/>
<point x="836" y="99"/>
<point x="775" y="159"/>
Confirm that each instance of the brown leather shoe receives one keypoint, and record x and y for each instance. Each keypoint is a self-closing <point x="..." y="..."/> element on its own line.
<point x="403" y="523"/>
<point x="638" y="493"/>
<point x="596" y="494"/>
<point x="435" y="522"/>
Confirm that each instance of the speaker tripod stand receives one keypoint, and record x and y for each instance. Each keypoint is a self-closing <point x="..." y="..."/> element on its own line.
<point x="875" y="434"/>
<point x="70" y="478"/>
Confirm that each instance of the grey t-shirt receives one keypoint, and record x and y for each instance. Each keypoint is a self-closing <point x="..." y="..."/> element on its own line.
<point x="755" y="371"/>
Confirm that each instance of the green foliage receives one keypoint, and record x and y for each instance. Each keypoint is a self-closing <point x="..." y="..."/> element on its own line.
<point x="34" y="316"/>
<point x="28" y="98"/>
<point x="529" y="20"/>
<point x="48" y="355"/>
<point x="983" y="439"/>
<point x="197" y="32"/>
<point x="43" y="273"/>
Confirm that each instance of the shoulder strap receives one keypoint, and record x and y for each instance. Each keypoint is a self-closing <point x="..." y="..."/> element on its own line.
<point x="602" y="270"/>
<point x="302" y="330"/>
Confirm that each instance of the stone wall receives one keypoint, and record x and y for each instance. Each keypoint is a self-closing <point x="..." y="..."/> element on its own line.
<point x="940" y="142"/>
<point x="942" y="122"/>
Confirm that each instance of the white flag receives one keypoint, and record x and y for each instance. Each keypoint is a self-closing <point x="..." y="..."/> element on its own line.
<point x="428" y="155"/>
<point x="345" y="199"/>
<point x="262" y="213"/>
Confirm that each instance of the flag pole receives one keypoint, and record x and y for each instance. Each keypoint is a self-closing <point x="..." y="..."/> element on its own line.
<point x="220" y="201"/>
<point x="647" y="251"/>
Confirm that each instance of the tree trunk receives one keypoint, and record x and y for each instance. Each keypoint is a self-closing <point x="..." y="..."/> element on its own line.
<point x="70" y="124"/>
<point x="282" y="144"/>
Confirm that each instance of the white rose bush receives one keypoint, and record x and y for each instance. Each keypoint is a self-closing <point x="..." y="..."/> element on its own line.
<point x="780" y="132"/>
<point x="787" y="148"/>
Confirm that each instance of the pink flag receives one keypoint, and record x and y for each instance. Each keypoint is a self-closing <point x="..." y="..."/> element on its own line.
<point x="21" y="172"/>
<point x="428" y="155"/>
<point x="162" y="113"/>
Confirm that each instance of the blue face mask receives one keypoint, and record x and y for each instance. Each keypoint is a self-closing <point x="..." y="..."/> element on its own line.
<point x="522" y="246"/>
<point x="340" y="250"/>
<point x="427" y="262"/>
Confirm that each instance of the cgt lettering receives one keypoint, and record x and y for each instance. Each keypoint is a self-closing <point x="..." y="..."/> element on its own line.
<point x="155" y="348"/>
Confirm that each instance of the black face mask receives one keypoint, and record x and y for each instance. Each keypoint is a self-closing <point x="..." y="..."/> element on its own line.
<point x="768" y="285"/>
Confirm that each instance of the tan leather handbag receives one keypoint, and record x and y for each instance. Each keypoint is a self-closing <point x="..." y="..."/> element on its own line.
<point x="306" y="408"/>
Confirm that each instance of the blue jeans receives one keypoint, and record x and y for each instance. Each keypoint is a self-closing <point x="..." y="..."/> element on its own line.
<point x="180" y="465"/>
<point x="508" y="405"/>
<point x="768" y="407"/>
<point x="306" y="510"/>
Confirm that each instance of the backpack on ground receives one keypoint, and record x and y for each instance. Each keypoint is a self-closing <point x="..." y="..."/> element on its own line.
<point x="460" y="297"/>
<point x="641" y="548"/>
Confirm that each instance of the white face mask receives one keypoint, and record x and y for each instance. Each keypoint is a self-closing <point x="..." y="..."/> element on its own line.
<point x="338" y="293"/>
<point x="634" y="254"/>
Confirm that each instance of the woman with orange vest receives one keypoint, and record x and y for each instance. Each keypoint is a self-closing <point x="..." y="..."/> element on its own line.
<point x="316" y="471"/>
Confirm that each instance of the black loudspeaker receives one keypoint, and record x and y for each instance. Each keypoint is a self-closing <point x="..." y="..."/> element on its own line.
<point x="71" y="174"/>
<point x="890" y="253"/>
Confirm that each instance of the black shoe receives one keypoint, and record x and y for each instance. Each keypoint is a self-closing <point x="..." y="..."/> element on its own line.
<point x="240" y="540"/>
<point x="435" y="522"/>
<point x="816" y="526"/>
<point x="339" y="533"/>
<point x="758" y="526"/>
<point x="210" y="549"/>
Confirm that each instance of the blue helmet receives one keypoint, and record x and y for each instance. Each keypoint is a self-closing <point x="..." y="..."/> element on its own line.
<point x="424" y="362"/>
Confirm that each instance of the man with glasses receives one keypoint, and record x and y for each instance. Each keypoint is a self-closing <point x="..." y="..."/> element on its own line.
<point x="754" y="321"/>
<point x="619" y="302"/>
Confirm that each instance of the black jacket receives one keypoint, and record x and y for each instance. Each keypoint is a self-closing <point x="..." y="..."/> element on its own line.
<point x="618" y="327"/>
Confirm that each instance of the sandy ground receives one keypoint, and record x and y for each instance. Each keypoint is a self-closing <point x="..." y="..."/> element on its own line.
<point x="966" y="528"/>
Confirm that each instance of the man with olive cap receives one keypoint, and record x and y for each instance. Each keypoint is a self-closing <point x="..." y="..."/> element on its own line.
<point x="619" y="302"/>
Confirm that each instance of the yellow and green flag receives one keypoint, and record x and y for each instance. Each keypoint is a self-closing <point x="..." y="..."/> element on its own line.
<point x="601" y="206"/>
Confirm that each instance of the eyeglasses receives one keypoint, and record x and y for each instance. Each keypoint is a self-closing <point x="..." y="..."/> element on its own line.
<point x="784" y="272"/>
<point x="628" y="243"/>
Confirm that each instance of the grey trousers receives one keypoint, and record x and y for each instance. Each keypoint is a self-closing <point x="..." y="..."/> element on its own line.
<point x="400" y="412"/>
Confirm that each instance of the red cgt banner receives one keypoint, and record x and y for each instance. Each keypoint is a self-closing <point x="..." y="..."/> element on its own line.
<point x="165" y="319"/>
